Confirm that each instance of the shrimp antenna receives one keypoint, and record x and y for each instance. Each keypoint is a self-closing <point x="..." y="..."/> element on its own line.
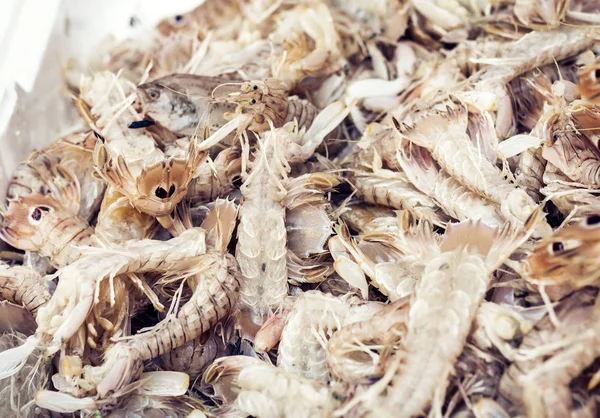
<point x="212" y="93"/>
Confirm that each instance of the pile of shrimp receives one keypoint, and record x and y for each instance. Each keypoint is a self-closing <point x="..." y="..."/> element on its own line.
<point x="316" y="208"/>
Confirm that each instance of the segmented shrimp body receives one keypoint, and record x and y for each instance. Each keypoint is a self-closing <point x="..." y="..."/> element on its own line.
<point x="551" y="358"/>
<point x="454" y="151"/>
<point x="453" y="197"/>
<point x="23" y="286"/>
<point x="261" y="247"/>
<point x="354" y="352"/>
<point x="451" y="289"/>
<point x="394" y="190"/>
<point x="313" y="319"/>
<point x="256" y="389"/>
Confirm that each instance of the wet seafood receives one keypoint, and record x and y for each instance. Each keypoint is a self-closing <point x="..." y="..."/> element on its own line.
<point x="311" y="208"/>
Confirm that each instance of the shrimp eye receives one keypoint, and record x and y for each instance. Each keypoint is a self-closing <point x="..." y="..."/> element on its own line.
<point x="252" y="101"/>
<point x="557" y="246"/>
<point x="161" y="193"/>
<point x="172" y="190"/>
<point x="593" y="220"/>
<point x="254" y="87"/>
<point x="36" y="215"/>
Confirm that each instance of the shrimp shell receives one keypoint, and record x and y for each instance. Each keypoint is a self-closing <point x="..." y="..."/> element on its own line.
<point x="444" y="135"/>
<point x="540" y="381"/>
<point x="23" y="286"/>
<point x="422" y="366"/>
<point x="262" y="236"/>
<point x="454" y="198"/>
<point x="393" y="189"/>
<point x="352" y="350"/>
<point x="31" y="223"/>
<point x="253" y="387"/>
<point x="212" y="300"/>
<point x="314" y="317"/>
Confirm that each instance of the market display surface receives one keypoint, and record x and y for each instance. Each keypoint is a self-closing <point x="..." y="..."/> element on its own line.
<point x="316" y="209"/>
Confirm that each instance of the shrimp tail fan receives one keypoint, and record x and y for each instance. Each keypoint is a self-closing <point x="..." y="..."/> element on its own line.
<point x="13" y="359"/>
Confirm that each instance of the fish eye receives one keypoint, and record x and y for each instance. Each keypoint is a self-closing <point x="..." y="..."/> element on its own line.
<point x="172" y="190"/>
<point x="153" y="94"/>
<point x="161" y="193"/>
<point x="592" y="220"/>
<point x="252" y="101"/>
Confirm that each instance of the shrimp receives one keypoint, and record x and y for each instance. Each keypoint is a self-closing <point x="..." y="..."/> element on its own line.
<point x="356" y="351"/>
<point x="393" y="189"/>
<point x="261" y="248"/>
<point x="23" y="286"/>
<point x="463" y="263"/>
<point x="214" y="290"/>
<point x="267" y="101"/>
<point x="533" y="50"/>
<point x="551" y="358"/>
<point x="215" y="177"/>
<point x="391" y="253"/>
<point x="566" y="258"/>
<point x="312" y="320"/>
<point x="202" y="351"/>
<point x="253" y="387"/>
<point x="66" y="311"/>
<point x="42" y="224"/>
<point x="454" y="198"/>
<point x="211" y="15"/>
<point x="45" y="170"/>
<point x="305" y="44"/>
<point x="443" y="133"/>
<point x="128" y="159"/>
<point x="567" y="148"/>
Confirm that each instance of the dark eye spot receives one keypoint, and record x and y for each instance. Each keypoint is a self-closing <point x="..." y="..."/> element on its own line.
<point x="178" y="18"/>
<point x="36" y="215"/>
<point x="593" y="220"/>
<point x="161" y="193"/>
<point x="558" y="246"/>
<point x="252" y="101"/>
<point x="153" y="94"/>
<point x="597" y="73"/>
<point x="255" y="87"/>
<point x="172" y="190"/>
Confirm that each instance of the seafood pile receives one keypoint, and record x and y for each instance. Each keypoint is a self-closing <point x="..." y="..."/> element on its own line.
<point x="316" y="208"/>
